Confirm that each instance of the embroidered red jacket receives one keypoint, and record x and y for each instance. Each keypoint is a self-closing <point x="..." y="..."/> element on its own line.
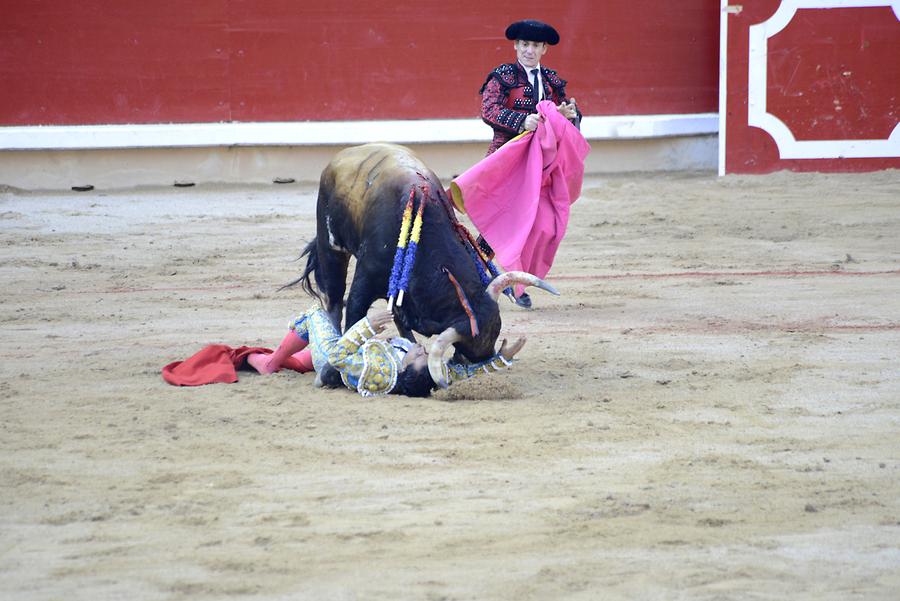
<point x="506" y="100"/>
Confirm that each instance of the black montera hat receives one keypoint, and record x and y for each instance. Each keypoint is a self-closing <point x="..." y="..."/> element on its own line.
<point x="533" y="31"/>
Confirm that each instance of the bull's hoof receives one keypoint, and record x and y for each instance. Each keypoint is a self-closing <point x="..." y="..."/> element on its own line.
<point x="524" y="301"/>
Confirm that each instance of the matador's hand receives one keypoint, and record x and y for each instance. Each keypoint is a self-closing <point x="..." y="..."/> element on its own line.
<point x="531" y="122"/>
<point x="379" y="320"/>
<point x="568" y="109"/>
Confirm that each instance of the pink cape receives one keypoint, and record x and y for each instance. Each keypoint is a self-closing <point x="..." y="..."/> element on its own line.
<point x="519" y="196"/>
<point x="219" y="363"/>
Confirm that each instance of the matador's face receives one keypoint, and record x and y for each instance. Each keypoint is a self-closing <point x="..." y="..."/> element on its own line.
<point x="529" y="53"/>
<point x="416" y="356"/>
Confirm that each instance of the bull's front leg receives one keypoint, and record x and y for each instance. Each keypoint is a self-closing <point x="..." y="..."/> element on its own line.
<point x="365" y="290"/>
<point x="331" y="279"/>
<point x="400" y="320"/>
<point x="405" y="332"/>
<point x="367" y="287"/>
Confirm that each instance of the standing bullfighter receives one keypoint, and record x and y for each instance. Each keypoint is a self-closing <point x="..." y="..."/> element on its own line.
<point x="511" y="92"/>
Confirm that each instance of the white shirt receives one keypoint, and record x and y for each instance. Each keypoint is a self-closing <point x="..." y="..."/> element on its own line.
<point x="531" y="78"/>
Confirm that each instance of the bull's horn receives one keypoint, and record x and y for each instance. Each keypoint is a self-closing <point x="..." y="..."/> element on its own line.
<point x="505" y="280"/>
<point x="436" y="365"/>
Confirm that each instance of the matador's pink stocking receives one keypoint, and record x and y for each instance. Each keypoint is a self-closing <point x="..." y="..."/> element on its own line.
<point x="304" y="358"/>
<point x="267" y="364"/>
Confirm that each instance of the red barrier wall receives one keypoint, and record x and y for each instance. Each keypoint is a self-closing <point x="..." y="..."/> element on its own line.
<point x="130" y="61"/>
<point x="832" y="74"/>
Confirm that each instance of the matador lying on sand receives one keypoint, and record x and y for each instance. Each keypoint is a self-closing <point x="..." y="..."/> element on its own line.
<point x="367" y="363"/>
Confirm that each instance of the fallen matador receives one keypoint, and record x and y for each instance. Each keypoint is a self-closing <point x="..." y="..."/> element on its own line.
<point x="371" y="365"/>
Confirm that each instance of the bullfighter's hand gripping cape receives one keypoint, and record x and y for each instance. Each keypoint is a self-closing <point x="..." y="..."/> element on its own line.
<point x="519" y="197"/>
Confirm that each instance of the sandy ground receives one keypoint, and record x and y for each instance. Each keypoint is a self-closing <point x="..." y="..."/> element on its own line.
<point x="711" y="410"/>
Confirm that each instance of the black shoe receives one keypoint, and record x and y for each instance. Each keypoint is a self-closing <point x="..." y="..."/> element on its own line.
<point x="524" y="301"/>
<point x="329" y="377"/>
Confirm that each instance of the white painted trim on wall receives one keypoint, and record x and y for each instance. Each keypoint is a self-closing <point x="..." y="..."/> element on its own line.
<point x="723" y="79"/>
<point x="788" y="146"/>
<point x="317" y="133"/>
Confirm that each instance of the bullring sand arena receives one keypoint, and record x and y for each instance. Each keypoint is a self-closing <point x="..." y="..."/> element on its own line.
<point x="710" y="410"/>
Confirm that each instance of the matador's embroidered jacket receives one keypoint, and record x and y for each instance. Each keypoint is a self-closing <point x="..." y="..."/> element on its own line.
<point x="368" y="364"/>
<point x="506" y="100"/>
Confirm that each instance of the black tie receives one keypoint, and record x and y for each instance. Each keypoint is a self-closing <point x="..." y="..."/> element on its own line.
<point x="535" y="94"/>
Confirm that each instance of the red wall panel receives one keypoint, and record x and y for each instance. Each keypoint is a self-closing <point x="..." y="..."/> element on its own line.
<point x="831" y="74"/>
<point x="113" y="62"/>
<point x="835" y="74"/>
<point x="130" y="61"/>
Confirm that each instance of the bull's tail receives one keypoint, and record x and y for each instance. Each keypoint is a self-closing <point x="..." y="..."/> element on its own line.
<point x="312" y="263"/>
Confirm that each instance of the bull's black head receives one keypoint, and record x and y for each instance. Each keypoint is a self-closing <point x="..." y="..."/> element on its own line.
<point x="471" y="341"/>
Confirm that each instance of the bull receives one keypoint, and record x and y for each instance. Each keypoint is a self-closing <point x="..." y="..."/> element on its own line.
<point x="363" y="193"/>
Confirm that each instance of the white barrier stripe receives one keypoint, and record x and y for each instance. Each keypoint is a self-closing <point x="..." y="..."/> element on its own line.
<point x="318" y="133"/>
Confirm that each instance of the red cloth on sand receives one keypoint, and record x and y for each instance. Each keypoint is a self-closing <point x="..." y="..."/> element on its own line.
<point x="219" y="363"/>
